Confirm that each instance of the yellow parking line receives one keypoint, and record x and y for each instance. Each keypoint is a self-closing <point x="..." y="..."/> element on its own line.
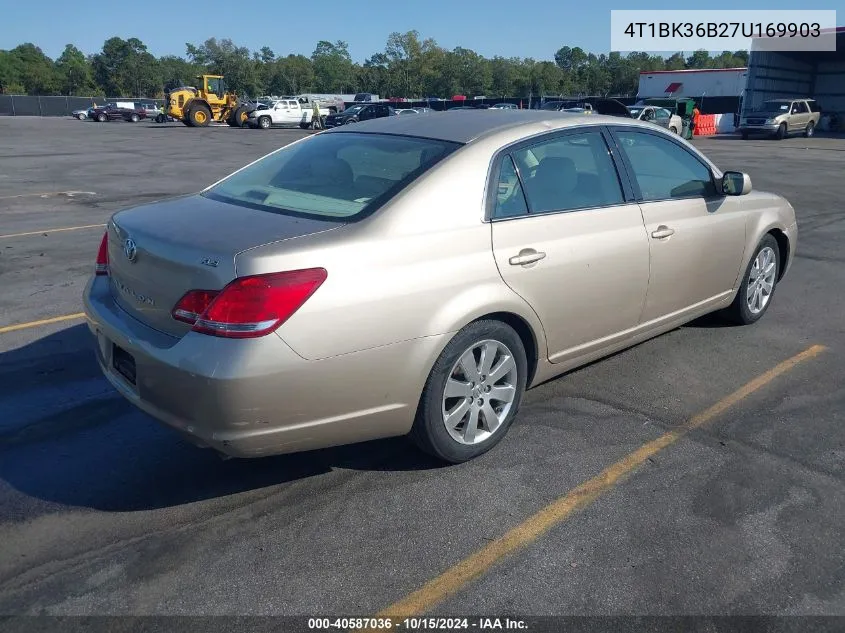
<point x="68" y="228"/>
<point x="58" y="319"/>
<point x="532" y="528"/>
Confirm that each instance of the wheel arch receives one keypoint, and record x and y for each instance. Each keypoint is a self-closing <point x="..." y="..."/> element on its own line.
<point x="526" y="335"/>
<point x="783" y="249"/>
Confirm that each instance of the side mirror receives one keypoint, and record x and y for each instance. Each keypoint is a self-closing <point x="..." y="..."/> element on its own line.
<point x="736" y="183"/>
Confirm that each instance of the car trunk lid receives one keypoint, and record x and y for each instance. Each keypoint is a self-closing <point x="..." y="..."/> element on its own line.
<point x="160" y="251"/>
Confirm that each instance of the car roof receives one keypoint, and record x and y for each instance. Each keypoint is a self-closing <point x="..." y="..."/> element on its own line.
<point x="464" y="126"/>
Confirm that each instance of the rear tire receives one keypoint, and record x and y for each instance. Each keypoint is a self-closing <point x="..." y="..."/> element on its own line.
<point x="758" y="285"/>
<point x="444" y="416"/>
<point x="81" y="117"/>
<point x="673" y="130"/>
<point x="102" y="118"/>
<point x="134" y="118"/>
<point x="744" y="135"/>
<point x="160" y="118"/>
<point x="810" y="130"/>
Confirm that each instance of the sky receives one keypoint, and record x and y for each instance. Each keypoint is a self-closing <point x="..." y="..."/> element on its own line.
<point x="489" y="27"/>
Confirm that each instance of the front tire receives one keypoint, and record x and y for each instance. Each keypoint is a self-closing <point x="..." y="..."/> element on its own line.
<point x="744" y="135"/>
<point x="473" y="393"/>
<point x="81" y="117"/>
<point x="239" y="117"/>
<point x="781" y="133"/>
<point x="134" y="118"/>
<point x="758" y="284"/>
<point x="199" y="116"/>
<point x="264" y="122"/>
<point x="102" y="118"/>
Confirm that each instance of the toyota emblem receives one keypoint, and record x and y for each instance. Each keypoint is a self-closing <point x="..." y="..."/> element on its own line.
<point x="130" y="249"/>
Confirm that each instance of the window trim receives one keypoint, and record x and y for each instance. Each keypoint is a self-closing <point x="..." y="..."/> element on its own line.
<point x="494" y="171"/>
<point x="629" y="167"/>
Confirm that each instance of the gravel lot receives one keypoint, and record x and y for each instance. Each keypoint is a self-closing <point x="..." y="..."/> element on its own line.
<point x="103" y="511"/>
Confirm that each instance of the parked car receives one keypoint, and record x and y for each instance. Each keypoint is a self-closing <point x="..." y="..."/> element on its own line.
<point x="284" y="113"/>
<point x="659" y="116"/>
<point x="151" y="108"/>
<point x="112" y="112"/>
<point x="82" y="115"/>
<point x="403" y="276"/>
<point x="504" y="106"/>
<point x="567" y="105"/>
<point x="401" y="111"/>
<point x="782" y="117"/>
<point x="359" y="112"/>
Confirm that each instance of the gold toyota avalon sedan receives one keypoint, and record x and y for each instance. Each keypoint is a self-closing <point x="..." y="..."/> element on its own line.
<point x="414" y="275"/>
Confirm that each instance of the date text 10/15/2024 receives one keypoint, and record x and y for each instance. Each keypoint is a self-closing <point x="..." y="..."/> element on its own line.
<point x="417" y="624"/>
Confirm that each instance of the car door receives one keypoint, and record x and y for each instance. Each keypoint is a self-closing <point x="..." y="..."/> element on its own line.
<point x="568" y="240"/>
<point x="696" y="234"/>
<point x="662" y="117"/>
<point x="800" y="116"/>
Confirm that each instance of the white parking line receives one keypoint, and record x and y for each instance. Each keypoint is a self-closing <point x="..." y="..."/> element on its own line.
<point x="48" y="194"/>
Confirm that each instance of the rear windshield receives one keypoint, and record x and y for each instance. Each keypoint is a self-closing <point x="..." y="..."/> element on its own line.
<point x="341" y="175"/>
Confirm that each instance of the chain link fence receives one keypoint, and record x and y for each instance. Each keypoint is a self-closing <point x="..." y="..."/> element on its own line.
<point x="23" y="105"/>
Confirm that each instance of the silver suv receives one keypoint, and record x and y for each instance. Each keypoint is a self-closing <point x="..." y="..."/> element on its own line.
<point x="781" y="117"/>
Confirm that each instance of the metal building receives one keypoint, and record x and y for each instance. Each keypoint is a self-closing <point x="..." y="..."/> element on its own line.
<point x="710" y="82"/>
<point x="784" y="75"/>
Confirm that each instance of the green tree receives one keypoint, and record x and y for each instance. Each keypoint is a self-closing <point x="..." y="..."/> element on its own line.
<point x="11" y="71"/>
<point x="227" y="59"/>
<point x="333" y="68"/>
<point x="75" y="72"/>
<point x="37" y="73"/>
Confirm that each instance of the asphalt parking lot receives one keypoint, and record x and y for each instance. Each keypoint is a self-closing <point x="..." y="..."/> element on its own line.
<point x="103" y="511"/>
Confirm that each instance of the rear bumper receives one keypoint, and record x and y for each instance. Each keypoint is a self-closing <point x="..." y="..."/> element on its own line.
<point x="256" y="397"/>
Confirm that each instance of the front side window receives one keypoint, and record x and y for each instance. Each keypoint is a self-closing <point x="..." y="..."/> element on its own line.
<point x="569" y="172"/>
<point x="664" y="170"/>
<point x="340" y="176"/>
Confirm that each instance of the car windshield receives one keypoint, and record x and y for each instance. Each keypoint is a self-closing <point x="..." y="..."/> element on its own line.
<point x="341" y="176"/>
<point x="774" y="106"/>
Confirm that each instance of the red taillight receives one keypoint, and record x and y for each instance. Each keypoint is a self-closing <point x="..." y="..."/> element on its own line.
<point x="193" y="304"/>
<point x="249" y="306"/>
<point x="102" y="265"/>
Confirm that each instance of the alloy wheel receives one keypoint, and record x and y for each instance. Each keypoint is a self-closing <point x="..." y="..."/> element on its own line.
<point x="480" y="391"/>
<point x="761" y="280"/>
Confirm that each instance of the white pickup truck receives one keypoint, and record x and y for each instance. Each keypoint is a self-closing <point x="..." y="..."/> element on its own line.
<point x="284" y="113"/>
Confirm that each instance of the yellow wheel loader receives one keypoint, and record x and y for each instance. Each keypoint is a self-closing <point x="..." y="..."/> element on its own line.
<point x="197" y="107"/>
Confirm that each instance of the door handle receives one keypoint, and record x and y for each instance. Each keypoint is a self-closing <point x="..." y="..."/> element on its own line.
<point x="526" y="256"/>
<point x="662" y="231"/>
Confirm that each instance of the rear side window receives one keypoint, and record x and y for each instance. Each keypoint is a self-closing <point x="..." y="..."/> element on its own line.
<point x="510" y="200"/>
<point x="341" y="176"/>
<point x="569" y="172"/>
